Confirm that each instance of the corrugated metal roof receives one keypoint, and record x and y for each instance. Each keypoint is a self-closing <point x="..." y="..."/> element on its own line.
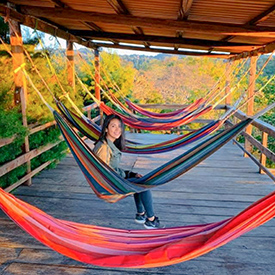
<point x="216" y="25"/>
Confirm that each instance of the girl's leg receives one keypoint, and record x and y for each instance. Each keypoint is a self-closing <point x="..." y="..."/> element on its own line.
<point x="147" y="201"/>
<point x="139" y="204"/>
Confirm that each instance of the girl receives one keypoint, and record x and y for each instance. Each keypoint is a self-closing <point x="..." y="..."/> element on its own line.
<point x="108" y="147"/>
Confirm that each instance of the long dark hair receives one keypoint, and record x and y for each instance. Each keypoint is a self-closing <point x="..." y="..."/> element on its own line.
<point x="120" y="142"/>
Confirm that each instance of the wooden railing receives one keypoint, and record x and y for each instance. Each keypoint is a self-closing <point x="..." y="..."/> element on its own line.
<point x="26" y="157"/>
<point x="266" y="130"/>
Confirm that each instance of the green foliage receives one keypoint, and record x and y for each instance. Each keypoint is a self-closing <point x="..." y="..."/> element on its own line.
<point x="176" y="79"/>
<point x="13" y="176"/>
<point x="37" y="114"/>
<point x="4" y="30"/>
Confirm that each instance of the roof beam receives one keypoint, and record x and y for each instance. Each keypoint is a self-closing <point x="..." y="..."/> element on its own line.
<point x="43" y="26"/>
<point x="256" y="20"/>
<point x="155" y="38"/>
<point x="268" y="48"/>
<point x="195" y="27"/>
<point x="263" y="16"/>
<point x="53" y="30"/>
<point x="59" y="3"/>
<point x="185" y="7"/>
<point x="120" y="8"/>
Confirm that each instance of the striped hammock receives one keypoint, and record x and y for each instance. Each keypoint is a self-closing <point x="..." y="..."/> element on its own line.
<point x="172" y="114"/>
<point x="92" y="131"/>
<point x="109" y="186"/>
<point x="152" y="117"/>
<point x="149" y="114"/>
<point x="155" y="126"/>
<point x="112" y="247"/>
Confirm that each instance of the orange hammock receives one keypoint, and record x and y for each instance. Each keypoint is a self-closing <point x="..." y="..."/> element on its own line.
<point x="133" y="248"/>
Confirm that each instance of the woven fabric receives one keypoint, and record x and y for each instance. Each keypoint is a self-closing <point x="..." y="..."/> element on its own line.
<point x="108" y="185"/>
<point x="112" y="247"/>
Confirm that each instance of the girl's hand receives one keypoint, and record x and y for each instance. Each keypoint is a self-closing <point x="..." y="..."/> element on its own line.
<point x="138" y="175"/>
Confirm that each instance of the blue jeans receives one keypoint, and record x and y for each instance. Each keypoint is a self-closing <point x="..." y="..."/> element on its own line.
<point x="144" y="202"/>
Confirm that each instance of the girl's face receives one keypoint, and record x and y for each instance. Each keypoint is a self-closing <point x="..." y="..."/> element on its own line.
<point x="114" y="130"/>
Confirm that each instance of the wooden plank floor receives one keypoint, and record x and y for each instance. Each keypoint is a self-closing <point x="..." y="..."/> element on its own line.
<point x="220" y="187"/>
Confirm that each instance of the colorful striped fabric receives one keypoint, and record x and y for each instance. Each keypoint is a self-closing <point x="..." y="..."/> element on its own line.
<point x="172" y="114"/>
<point x="152" y="117"/>
<point x="108" y="185"/>
<point x="92" y="131"/>
<point x="155" y="126"/>
<point x="112" y="247"/>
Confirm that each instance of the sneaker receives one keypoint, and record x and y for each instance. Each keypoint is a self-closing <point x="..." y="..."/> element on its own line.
<point x="140" y="218"/>
<point x="152" y="224"/>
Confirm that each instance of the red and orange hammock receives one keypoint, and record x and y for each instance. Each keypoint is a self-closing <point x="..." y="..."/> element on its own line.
<point x="111" y="247"/>
<point x="155" y="126"/>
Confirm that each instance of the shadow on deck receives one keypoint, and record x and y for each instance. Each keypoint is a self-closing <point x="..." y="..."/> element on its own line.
<point x="220" y="187"/>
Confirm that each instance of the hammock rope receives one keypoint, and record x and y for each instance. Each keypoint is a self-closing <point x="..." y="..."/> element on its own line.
<point x="149" y="123"/>
<point x="93" y="131"/>
<point x="155" y="148"/>
<point x="124" y="109"/>
<point x="207" y="96"/>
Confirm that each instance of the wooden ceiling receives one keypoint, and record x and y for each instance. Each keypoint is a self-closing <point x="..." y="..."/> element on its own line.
<point x="218" y="28"/>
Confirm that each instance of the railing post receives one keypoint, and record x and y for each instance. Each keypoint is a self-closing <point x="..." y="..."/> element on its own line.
<point x="228" y="68"/>
<point x="250" y="104"/>
<point x="97" y="81"/>
<point x="20" y="94"/>
<point x="70" y="65"/>
<point x="263" y="156"/>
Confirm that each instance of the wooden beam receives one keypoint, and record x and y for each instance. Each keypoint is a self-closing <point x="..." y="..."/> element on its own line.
<point x="250" y="104"/>
<point x="128" y="20"/>
<point x="263" y="16"/>
<point x="65" y="34"/>
<point x="28" y="176"/>
<point x="6" y="168"/>
<point x="92" y="26"/>
<point x="42" y="127"/>
<point x="264" y="144"/>
<point x="118" y="6"/>
<point x="268" y="153"/>
<point x="97" y="75"/>
<point x="43" y="26"/>
<point x="228" y="68"/>
<point x="6" y="141"/>
<point x="185" y="7"/>
<point x="256" y="20"/>
<point x="261" y="125"/>
<point x="20" y="93"/>
<point x="70" y="65"/>
<point x="255" y="160"/>
<point x="156" y="38"/>
<point x="59" y="3"/>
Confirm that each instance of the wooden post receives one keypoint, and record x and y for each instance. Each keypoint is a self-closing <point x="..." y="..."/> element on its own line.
<point x="97" y="81"/>
<point x="228" y="99"/>
<point x="20" y="93"/>
<point x="250" y="105"/>
<point x="97" y="75"/>
<point x="262" y="156"/>
<point x="70" y="65"/>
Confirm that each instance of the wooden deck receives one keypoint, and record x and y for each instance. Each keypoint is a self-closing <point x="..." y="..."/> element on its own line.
<point x="218" y="188"/>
